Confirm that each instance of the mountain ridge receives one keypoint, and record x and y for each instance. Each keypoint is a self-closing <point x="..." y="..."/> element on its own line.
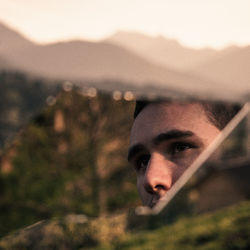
<point x="229" y="68"/>
<point x="96" y="60"/>
<point x="80" y="60"/>
<point x="12" y="40"/>
<point x="163" y="51"/>
<point x="168" y="52"/>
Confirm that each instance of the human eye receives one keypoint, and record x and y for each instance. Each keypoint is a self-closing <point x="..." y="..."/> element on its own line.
<point x="180" y="147"/>
<point x="141" y="162"/>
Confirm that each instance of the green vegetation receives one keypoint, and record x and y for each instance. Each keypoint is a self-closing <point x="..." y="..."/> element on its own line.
<point x="69" y="164"/>
<point x="20" y="98"/>
<point x="226" y="229"/>
<point x="70" y="159"/>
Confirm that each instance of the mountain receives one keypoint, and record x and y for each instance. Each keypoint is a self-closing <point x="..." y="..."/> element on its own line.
<point x="4" y="64"/>
<point x="12" y="41"/>
<point x="78" y="60"/>
<point x="231" y="67"/>
<point x="89" y="60"/>
<point x="83" y="60"/>
<point x="165" y="52"/>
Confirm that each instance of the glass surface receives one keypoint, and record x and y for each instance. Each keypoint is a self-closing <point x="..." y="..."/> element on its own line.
<point x="66" y="116"/>
<point x="68" y="166"/>
<point x="212" y="209"/>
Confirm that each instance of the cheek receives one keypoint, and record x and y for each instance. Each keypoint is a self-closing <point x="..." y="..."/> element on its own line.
<point x="186" y="159"/>
<point x="144" y="196"/>
<point x="182" y="164"/>
<point x="139" y="184"/>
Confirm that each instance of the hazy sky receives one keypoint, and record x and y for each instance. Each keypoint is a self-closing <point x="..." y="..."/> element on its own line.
<point x="198" y="23"/>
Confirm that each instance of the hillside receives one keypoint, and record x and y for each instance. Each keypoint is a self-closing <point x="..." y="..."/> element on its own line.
<point x="12" y="41"/>
<point x="167" y="52"/>
<point x="229" y="68"/>
<point x="4" y="63"/>
<point x="81" y="60"/>
<point x="225" y="229"/>
<point x="102" y="61"/>
<point x="163" y="51"/>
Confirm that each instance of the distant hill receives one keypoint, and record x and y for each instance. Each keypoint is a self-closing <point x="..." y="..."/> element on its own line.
<point x="83" y="60"/>
<point x="166" y="52"/>
<point x="12" y="41"/>
<point x="4" y="63"/>
<point x="89" y="60"/>
<point x="76" y="60"/>
<point x="231" y="68"/>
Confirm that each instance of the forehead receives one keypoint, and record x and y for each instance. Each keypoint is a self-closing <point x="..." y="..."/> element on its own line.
<point x="163" y="117"/>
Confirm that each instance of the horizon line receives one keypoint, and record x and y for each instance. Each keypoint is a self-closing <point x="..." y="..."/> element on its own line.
<point x="108" y="35"/>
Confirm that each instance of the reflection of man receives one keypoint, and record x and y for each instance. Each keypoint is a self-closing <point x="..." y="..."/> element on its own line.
<point x="166" y="138"/>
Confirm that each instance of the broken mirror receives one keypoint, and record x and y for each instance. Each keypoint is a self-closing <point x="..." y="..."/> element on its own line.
<point x="66" y="181"/>
<point x="119" y="144"/>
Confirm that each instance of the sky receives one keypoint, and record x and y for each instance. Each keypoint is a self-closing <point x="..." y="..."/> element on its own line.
<point x="194" y="23"/>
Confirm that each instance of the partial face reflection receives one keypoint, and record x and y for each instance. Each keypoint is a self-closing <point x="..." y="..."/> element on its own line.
<point x="165" y="139"/>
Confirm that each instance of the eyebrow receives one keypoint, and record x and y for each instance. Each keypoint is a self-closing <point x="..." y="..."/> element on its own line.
<point x="172" y="134"/>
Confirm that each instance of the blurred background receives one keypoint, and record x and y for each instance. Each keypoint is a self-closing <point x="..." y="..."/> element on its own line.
<point x="69" y="77"/>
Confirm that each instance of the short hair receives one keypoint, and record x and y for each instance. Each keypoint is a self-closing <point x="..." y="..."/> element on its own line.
<point x="218" y="113"/>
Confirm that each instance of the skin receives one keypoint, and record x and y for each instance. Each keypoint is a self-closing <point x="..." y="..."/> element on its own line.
<point x="165" y="140"/>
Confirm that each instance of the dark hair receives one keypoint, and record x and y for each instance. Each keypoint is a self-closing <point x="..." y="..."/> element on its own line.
<point x="219" y="114"/>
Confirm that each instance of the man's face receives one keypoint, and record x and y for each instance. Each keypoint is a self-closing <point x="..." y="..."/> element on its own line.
<point x="165" y="140"/>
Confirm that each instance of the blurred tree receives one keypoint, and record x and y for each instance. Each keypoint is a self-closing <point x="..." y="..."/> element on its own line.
<point x="20" y="98"/>
<point x="70" y="159"/>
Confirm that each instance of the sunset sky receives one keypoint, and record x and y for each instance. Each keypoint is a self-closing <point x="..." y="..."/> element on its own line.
<point x="196" y="23"/>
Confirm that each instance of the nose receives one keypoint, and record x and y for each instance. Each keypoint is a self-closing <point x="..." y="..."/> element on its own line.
<point x="158" y="177"/>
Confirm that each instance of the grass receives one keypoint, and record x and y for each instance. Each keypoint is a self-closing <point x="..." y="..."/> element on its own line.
<point x="227" y="229"/>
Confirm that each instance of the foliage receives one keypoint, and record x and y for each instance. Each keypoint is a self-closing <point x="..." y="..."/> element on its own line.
<point x="20" y="97"/>
<point x="225" y="229"/>
<point x="70" y="159"/>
